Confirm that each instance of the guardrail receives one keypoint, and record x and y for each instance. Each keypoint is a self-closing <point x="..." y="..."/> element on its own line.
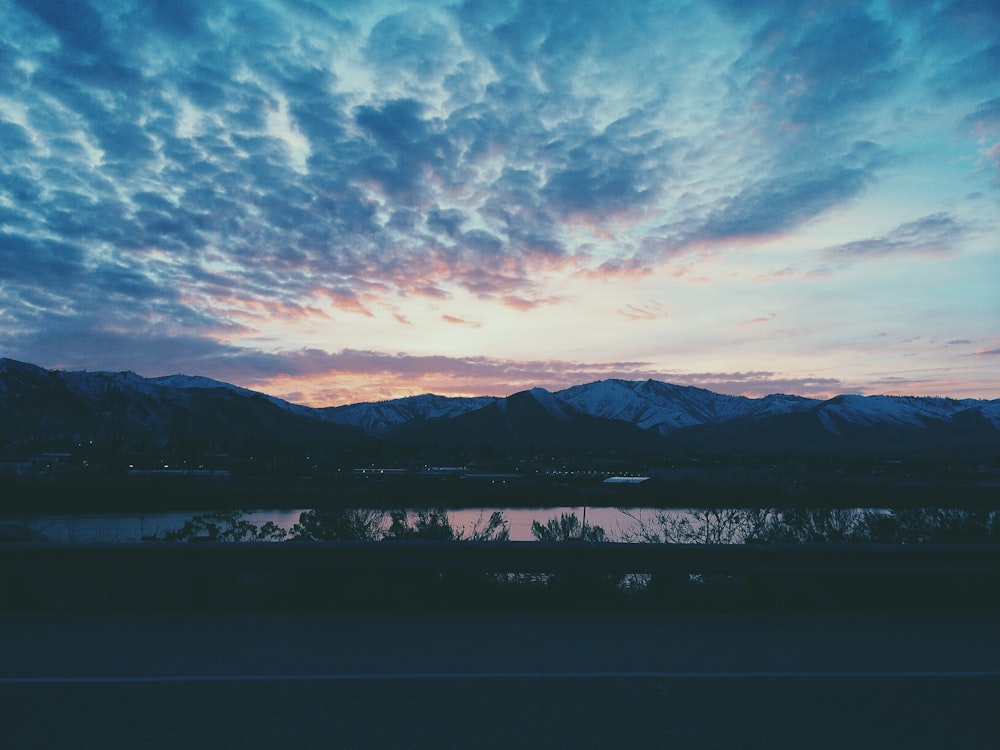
<point x="431" y="573"/>
<point x="499" y="557"/>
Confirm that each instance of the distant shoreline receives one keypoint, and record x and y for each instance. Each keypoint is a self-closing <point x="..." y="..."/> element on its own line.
<point x="167" y="493"/>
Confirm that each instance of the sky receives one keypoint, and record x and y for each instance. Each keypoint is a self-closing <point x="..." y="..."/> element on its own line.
<point x="336" y="202"/>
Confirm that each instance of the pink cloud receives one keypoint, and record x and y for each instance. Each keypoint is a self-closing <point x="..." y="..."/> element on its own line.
<point x="618" y="267"/>
<point x="523" y="304"/>
<point x="323" y="379"/>
<point x="346" y="300"/>
<point x="460" y="321"/>
<point x="649" y="310"/>
<point x="759" y="320"/>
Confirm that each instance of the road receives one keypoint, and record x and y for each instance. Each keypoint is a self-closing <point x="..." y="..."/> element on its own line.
<point x="485" y="681"/>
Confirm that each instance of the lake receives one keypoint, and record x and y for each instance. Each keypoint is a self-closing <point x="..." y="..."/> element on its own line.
<point x="617" y="523"/>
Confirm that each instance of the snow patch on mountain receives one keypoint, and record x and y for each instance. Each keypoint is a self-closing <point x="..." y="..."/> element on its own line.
<point x="199" y="382"/>
<point x="665" y="408"/>
<point x="193" y="381"/>
<point x="661" y="408"/>
<point x="779" y="403"/>
<point x="555" y="407"/>
<point x="991" y="410"/>
<point x="381" y="416"/>
<point x="892" y="411"/>
<point x="94" y="384"/>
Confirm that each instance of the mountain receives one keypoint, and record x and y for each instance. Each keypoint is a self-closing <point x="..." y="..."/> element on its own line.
<point x="857" y="425"/>
<point x="382" y="416"/>
<point x="664" y="408"/>
<point x="44" y="404"/>
<point x="529" y="418"/>
<point x="643" y="415"/>
<point x="694" y="419"/>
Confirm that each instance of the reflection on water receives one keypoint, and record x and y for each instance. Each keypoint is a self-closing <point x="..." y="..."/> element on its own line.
<point x="712" y="526"/>
<point x="132" y="527"/>
<point x="618" y="523"/>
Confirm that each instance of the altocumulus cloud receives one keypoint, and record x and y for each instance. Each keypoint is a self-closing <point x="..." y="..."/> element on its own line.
<point x="180" y="172"/>
<point x="938" y="234"/>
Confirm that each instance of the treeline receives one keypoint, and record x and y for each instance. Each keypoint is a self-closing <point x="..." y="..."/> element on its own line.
<point x="692" y="526"/>
<point x="400" y="587"/>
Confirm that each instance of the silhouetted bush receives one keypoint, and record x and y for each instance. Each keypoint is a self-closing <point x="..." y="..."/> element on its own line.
<point x="341" y="525"/>
<point x="567" y="528"/>
<point x="221" y="526"/>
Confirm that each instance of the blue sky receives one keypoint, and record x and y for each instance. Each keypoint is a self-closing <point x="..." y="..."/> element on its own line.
<point x="336" y="202"/>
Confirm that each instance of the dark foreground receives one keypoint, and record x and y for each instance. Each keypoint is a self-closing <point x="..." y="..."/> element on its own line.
<point x="515" y="680"/>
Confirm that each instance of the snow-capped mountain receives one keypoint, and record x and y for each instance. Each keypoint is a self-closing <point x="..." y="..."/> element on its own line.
<point x="381" y="416"/>
<point x="529" y="418"/>
<point x="664" y="408"/>
<point x="991" y="411"/>
<point x="641" y="414"/>
<point x="199" y="382"/>
<point x="554" y="406"/>
<point x="94" y="384"/>
<point x="891" y="411"/>
<point x="39" y="403"/>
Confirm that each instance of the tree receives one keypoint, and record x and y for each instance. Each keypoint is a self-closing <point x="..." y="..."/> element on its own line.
<point x="706" y="526"/>
<point x="495" y="529"/>
<point x="343" y="525"/>
<point x="817" y="525"/>
<point x="576" y="588"/>
<point x="222" y="526"/>
<point x="567" y="528"/>
<point x="429" y="523"/>
<point x="929" y="525"/>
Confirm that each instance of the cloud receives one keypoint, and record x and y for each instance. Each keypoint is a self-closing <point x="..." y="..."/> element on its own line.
<point x="761" y="383"/>
<point x="963" y="35"/>
<point x="72" y="344"/>
<point x="321" y="378"/>
<point x="648" y="310"/>
<point x="777" y="204"/>
<point x="784" y="273"/>
<point x="194" y="170"/>
<point x="985" y="120"/>
<point x="814" y="64"/>
<point x="410" y="41"/>
<point x="760" y="320"/>
<point x="935" y="234"/>
<point x="985" y="126"/>
<point x="350" y="376"/>
<point x="266" y="157"/>
<point x="78" y="25"/>
<point x="524" y="305"/>
<point x="608" y="173"/>
<point x="452" y="320"/>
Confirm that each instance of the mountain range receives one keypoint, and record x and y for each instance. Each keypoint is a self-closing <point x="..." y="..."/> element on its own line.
<point x="36" y="403"/>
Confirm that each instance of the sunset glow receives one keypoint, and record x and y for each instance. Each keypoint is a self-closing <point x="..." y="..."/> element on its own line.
<point x="341" y="202"/>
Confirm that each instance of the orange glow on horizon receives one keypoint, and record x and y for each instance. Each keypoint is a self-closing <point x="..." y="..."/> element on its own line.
<point x="342" y="388"/>
<point x="339" y="388"/>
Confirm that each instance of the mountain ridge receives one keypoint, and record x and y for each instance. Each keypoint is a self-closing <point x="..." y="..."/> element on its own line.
<point x="648" y="413"/>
